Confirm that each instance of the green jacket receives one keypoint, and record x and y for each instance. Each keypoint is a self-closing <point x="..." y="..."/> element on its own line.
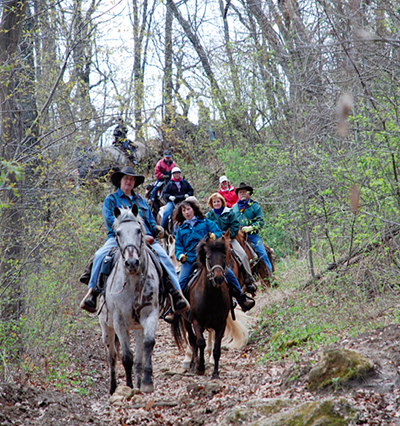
<point x="227" y="220"/>
<point x="251" y="215"/>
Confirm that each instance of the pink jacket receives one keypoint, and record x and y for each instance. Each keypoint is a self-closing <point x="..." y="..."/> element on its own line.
<point x="161" y="167"/>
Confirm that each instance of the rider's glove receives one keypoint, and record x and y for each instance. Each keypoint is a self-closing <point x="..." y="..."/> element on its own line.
<point x="172" y="198"/>
<point x="159" y="231"/>
<point x="186" y="195"/>
<point x="182" y="258"/>
<point x="166" y="175"/>
<point x="212" y="236"/>
<point x="247" y="229"/>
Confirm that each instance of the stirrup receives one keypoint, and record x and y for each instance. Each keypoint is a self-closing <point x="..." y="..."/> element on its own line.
<point x="168" y="316"/>
<point x="251" y="287"/>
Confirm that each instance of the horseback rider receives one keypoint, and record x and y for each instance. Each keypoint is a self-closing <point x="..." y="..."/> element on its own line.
<point x="121" y="139"/>
<point x="251" y="220"/>
<point x="125" y="181"/>
<point x="193" y="226"/>
<point x="228" y="191"/>
<point x="177" y="190"/>
<point x="162" y="171"/>
<point x="225" y="219"/>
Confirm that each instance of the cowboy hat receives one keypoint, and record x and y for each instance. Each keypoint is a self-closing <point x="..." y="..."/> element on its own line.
<point x="244" y="186"/>
<point x="126" y="171"/>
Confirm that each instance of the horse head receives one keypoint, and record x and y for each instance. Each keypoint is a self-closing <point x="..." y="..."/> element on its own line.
<point x="130" y="235"/>
<point x="214" y="255"/>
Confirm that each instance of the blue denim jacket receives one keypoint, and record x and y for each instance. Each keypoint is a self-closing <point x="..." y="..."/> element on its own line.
<point x="120" y="200"/>
<point x="187" y="237"/>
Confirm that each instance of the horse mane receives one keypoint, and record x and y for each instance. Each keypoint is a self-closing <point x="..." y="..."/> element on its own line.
<point x="127" y="216"/>
<point x="209" y="246"/>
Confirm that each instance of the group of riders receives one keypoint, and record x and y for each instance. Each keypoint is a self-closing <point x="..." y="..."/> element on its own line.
<point x="231" y="209"/>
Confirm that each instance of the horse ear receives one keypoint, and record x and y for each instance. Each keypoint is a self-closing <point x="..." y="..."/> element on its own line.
<point x="117" y="211"/>
<point x="135" y="209"/>
<point x="170" y="239"/>
<point x="227" y="234"/>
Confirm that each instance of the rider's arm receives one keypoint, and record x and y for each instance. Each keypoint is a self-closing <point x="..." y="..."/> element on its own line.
<point x="258" y="220"/>
<point x="158" y="171"/>
<point x="108" y="212"/>
<point x="190" y="190"/>
<point x="213" y="228"/>
<point x="233" y="225"/>
<point x="179" y="249"/>
<point x="167" y="192"/>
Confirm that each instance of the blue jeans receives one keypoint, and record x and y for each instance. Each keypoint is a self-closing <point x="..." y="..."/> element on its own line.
<point x="111" y="242"/>
<point x="155" y="189"/>
<point x="169" y="208"/>
<point x="187" y="269"/>
<point x="260" y="249"/>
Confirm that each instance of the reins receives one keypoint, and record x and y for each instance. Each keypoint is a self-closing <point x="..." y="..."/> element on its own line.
<point x="141" y="255"/>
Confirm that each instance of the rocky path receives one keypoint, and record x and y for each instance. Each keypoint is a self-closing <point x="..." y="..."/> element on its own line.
<point x="247" y="392"/>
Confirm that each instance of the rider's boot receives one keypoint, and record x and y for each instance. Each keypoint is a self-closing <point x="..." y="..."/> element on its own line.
<point x="245" y="302"/>
<point x="89" y="302"/>
<point x="250" y="284"/>
<point x="248" y="281"/>
<point x="180" y="304"/>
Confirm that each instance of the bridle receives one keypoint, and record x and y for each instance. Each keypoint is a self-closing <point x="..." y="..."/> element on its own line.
<point x="131" y="248"/>
<point x="210" y="272"/>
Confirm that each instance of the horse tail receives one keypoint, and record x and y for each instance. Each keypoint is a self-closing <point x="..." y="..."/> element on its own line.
<point x="236" y="332"/>
<point x="178" y="331"/>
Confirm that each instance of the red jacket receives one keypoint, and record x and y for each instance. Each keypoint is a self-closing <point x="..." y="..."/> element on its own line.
<point x="162" y="166"/>
<point x="230" y="196"/>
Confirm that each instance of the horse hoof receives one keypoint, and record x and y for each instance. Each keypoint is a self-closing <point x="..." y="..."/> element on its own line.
<point x="147" y="388"/>
<point x="186" y="365"/>
<point x="215" y="376"/>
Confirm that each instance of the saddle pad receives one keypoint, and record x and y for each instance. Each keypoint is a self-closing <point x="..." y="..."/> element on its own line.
<point x="156" y="260"/>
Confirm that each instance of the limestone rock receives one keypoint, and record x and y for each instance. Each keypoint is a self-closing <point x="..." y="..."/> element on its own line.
<point x="338" y="366"/>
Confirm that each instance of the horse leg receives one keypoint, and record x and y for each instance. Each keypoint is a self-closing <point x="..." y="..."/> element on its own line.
<point x="201" y="344"/>
<point x="127" y="355"/>
<point x="209" y="346"/>
<point x="219" y="334"/>
<point x="188" y="358"/>
<point x="149" y="330"/>
<point x="193" y="345"/>
<point x="138" y="357"/>
<point x="108" y="335"/>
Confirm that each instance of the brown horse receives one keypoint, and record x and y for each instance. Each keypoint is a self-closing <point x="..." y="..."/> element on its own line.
<point x="258" y="267"/>
<point x="210" y="303"/>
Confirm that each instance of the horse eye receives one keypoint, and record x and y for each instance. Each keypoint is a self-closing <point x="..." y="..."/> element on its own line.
<point x="118" y="233"/>
<point x="137" y="231"/>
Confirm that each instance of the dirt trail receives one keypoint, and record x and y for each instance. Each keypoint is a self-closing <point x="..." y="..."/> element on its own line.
<point x="181" y="398"/>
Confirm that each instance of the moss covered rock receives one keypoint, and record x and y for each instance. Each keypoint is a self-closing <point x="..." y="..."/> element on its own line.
<point x="331" y="412"/>
<point x="338" y="366"/>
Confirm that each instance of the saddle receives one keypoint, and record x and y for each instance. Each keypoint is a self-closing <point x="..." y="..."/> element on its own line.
<point x="193" y="276"/>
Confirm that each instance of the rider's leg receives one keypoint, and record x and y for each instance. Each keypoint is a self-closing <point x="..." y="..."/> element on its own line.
<point x="245" y="302"/>
<point x="154" y="191"/>
<point x="246" y="269"/>
<point x="184" y="274"/>
<point x="260" y="249"/>
<point x="89" y="301"/>
<point x="180" y="303"/>
<point x="169" y="207"/>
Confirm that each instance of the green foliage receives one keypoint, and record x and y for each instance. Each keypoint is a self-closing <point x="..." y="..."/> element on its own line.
<point x="298" y="320"/>
<point x="10" y="173"/>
